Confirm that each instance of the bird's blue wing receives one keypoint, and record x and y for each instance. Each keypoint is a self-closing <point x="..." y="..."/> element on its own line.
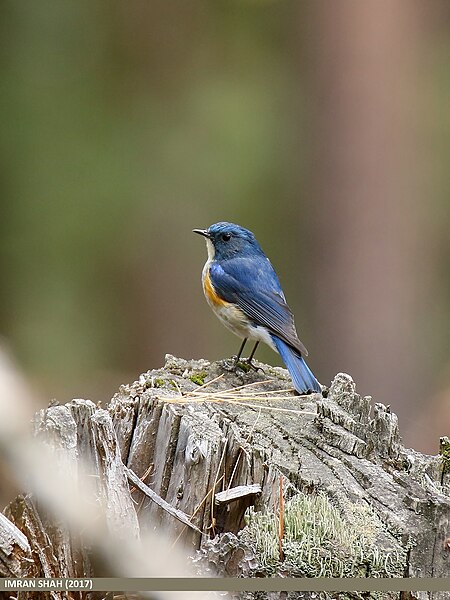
<point x="253" y="285"/>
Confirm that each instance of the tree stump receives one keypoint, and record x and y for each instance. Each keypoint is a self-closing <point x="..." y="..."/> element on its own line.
<point x="255" y="479"/>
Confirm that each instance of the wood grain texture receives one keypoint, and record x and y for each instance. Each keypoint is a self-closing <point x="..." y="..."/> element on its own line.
<point x="212" y="451"/>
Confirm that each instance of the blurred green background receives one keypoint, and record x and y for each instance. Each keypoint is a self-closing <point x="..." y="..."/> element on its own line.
<point x="322" y="126"/>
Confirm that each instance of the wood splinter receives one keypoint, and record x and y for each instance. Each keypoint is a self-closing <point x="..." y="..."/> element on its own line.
<point x="237" y="493"/>
<point x="232" y="504"/>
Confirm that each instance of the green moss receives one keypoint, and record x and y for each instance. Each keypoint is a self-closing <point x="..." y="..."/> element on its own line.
<point x="244" y="366"/>
<point x="199" y="377"/>
<point x="319" y="541"/>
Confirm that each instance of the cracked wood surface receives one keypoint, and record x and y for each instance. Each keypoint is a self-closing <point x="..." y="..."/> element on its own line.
<point x="190" y="442"/>
<point x="201" y="441"/>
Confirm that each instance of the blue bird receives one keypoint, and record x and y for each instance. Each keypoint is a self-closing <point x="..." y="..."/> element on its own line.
<point x="243" y="290"/>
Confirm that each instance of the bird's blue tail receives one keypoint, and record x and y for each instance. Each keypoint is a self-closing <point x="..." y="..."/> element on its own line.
<point x="304" y="380"/>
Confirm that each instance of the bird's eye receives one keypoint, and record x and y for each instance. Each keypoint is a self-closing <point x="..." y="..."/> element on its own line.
<point x="226" y="237"/>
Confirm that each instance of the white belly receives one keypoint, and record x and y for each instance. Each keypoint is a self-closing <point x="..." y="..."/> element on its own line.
<point x="241" y="326"/>
<point x="236" y="321"/>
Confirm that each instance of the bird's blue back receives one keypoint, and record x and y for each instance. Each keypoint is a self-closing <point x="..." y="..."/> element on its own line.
<point x="242" y="274"/>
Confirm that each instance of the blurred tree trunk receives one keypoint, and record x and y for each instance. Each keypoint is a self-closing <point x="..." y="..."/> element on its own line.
<point x="372" y="272"/>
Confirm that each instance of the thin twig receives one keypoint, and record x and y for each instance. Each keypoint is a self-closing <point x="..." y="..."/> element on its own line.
<point x="202" y="387"/>
<point x="216" y="481"/>
<point x="213" y="400"/>
<point x="281" y="525"/>
<point x="196" y="511"/>
<point x="237" y="388"/>
<point x="175" y="512"/>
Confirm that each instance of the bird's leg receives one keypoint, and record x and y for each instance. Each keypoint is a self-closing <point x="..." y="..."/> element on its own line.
<point x="250" y="358"/>
<point x="232" y="364"/>
<point x="241" y="350"/>
<point x="248" y="361"/>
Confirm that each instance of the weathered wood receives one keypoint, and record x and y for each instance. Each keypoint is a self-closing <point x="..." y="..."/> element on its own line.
<point x="339" y="446"/>
<point x="232" y="504"/>
<point x="355" y="499"/>
<point x="15" y="551"/>
<point x="236" y="493"/>
<point x="84" y="454"/>
<point x="48" y="553"/>
<point x="178" y="514"/>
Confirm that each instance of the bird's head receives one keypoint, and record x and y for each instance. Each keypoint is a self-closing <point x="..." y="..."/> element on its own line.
<point x="227" y="240"/>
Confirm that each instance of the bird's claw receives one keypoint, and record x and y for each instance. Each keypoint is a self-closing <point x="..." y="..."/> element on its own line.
<point x="249" y="365"/>
<point x="244" y="364"/>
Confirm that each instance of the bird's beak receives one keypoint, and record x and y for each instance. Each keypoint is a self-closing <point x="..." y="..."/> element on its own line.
<point x="204" y="232"/>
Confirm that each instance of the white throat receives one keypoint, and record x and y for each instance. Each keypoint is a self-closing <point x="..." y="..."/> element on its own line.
<point x="210" y="248"/>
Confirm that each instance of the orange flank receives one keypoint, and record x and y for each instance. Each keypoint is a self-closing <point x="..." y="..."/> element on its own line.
<point x="210" y="292"/>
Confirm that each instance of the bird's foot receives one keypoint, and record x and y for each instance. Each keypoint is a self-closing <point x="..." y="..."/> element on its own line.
<point x="244" y="364"/>
<point x="247" y="364"/>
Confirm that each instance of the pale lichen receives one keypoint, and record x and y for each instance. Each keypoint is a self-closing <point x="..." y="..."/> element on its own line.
<point x="320" y="541"/>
